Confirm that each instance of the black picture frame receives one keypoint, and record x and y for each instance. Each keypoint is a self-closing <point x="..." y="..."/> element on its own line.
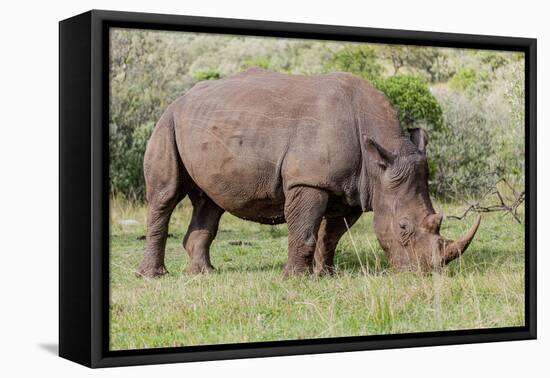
<point x="84" y="204"/>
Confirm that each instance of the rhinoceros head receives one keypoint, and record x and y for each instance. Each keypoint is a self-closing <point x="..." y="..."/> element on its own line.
<point x="405" y="222"/>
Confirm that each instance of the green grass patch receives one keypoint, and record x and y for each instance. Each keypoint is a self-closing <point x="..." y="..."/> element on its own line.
<point x="247" y="300"/>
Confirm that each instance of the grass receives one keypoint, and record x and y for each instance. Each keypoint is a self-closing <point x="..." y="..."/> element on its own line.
<point x="247" y="300"/>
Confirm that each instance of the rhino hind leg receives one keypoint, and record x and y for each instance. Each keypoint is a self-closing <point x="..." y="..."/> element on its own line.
<point x="304" y="209"/>
<point x="167" y="183"/>
<point x="330" y="232"/>
<point x="201" y="232"/>
<point x="158" y="217"/>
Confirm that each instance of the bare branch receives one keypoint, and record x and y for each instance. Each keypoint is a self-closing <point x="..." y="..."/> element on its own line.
<point x="492" y="192"/>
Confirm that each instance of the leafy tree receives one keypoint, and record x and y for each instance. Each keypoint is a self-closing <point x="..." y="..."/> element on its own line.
<point x="427" y="61"/>
<point x="463" y="79"/>
<point x="396" y="55"/>
<point x="408" y="93"/>
<point x="430" y="60"/>
<point x="413" y="100"/>
<point x="357" y="59"/>
<point x="492" y="59"/>
<point x="415" y="105"/>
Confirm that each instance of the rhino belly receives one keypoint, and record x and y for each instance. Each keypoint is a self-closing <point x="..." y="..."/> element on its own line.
<point x="253" y="194"/>
<point x="261" y="211"/>
<point x="239" y="168"/>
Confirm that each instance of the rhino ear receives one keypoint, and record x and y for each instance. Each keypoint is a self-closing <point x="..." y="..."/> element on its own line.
<point x="379" y="154"/>
<point x="420" y="138"/>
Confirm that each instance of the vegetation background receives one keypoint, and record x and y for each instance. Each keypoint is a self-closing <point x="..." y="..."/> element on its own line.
<point x="472" y="103"/>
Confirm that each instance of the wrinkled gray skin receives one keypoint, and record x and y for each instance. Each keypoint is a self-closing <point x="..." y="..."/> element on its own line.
<point x="312" y="151"/>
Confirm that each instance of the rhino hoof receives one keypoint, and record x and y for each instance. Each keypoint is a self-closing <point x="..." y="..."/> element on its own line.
<point x="326" y="271"/>
<point x="296" y="271"/>
<point x="151" y="272"/>
<point x="201" y="269"/>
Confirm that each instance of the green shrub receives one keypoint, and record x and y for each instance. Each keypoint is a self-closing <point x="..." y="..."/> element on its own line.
<point x="356" y="59"/>
<point x="474" y="83"/>
<point x="209" y="74"/>
<point x="142" y="84"/>
<point x="126" y="161"/>
<point x="463" y="79"/>
<point x="259" y="62"/>
<point x="413" y="101"/>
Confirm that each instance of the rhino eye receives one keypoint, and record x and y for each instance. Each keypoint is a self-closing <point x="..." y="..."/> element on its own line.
<point x="404" y="224"/>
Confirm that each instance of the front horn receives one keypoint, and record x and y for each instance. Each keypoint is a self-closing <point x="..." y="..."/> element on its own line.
<point x="454" y="248"/>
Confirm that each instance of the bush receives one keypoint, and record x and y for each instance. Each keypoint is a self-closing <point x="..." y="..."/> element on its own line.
<point x="126" y="161"/>
<point x="143" y="71"/>
<point x="416" y="107"/>
<point x="463" y="79"/>
<point x="256" y="63"/>
<point x="413" y="101"/>
<point x="462" y="152"/>
<point x="508" y="119"/>
<point x="357" y="59"/>
<point x="209" y="74"/>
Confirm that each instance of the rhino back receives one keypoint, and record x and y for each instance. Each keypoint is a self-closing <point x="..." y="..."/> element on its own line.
<point x="247" y="139"/>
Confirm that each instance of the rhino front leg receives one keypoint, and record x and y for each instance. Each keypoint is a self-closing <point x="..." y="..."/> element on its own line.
<point x="304" y="209"/>
<point x="201" y="232"/>
<point x="330" y="232"/>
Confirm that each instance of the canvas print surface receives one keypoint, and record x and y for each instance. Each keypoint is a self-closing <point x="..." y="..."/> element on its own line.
<point x="268" y="189"/>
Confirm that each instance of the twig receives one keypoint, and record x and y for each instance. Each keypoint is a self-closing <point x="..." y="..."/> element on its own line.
<point x="501" y="206"/>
